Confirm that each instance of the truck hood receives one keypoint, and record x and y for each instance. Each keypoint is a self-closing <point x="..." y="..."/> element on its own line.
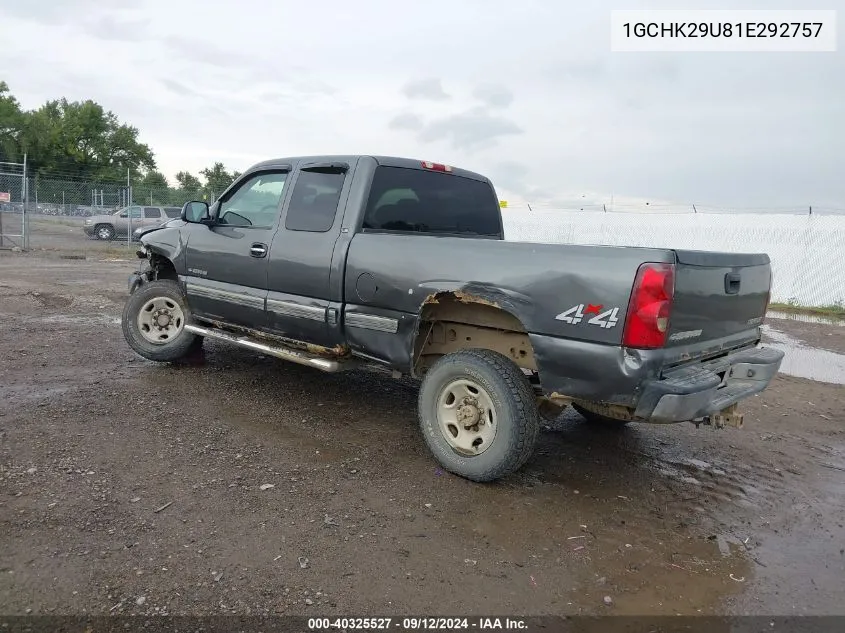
<point x="96" y="219"/>
<point x="173" y="222"/>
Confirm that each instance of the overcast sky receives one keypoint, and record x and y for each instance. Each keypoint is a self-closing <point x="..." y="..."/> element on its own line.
<point x="526" y="92"/>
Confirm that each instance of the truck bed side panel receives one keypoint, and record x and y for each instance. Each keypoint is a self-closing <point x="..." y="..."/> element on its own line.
<point x="534" y="282"/>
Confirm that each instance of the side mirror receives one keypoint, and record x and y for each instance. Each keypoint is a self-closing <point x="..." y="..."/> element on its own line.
<point x="196" y="212"/>
<point x="124" y="214"/>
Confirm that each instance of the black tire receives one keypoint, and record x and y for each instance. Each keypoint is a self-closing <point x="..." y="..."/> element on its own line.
<point x="104" y="232"/>
<point x="183" y="344"/>
<point x="598" y="419"/>
<point x="513" y="399"/>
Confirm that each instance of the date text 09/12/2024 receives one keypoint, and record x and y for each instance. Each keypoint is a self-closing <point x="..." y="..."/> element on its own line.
<point x="416" y="624"/>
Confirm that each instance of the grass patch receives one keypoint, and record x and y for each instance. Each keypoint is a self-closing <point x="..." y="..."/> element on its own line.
<point x="94" y="250"/>
<point x="119" y="253"/>
<point x="836" y="310"/>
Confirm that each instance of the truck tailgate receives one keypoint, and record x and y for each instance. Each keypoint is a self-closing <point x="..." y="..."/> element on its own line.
<point x="717" y="295"/>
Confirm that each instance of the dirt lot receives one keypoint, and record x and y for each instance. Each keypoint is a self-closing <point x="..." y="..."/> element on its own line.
<point x="128" y="487"/>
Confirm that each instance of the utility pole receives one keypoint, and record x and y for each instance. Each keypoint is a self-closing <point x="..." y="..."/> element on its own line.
<point x="129" y="211"/>
<point x="25" y="216"/>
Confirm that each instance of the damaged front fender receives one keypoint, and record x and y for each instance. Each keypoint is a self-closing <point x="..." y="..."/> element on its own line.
<point x="142" y="275"/>
<point x="135" y="282"/>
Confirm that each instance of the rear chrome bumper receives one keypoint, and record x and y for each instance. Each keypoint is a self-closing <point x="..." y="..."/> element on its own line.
<point x="703" y="390"/>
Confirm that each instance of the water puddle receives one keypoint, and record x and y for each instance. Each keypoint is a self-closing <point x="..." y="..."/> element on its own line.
<point x="806" y="318"/>
<point x="806" y="362"/>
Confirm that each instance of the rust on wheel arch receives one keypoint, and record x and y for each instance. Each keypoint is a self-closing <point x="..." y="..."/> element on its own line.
<point x="473" y="316"/>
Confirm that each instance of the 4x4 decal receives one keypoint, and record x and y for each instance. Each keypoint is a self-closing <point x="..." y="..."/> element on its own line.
<point x="602" y="318"/>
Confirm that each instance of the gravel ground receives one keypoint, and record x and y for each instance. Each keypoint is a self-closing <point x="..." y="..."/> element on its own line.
<point x="242" y="484"/>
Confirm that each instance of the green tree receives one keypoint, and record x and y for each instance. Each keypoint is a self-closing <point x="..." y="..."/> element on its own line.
<point x="216" y="179"/>
<point x="10" y="124"/>
<point x="84" y="141"/>
<point x="77" y="139"/>
<point x="153" y="188"/>
<point x="154" y="180"/>
<point x="80" y="140"/>
<point x="189" y="183"/>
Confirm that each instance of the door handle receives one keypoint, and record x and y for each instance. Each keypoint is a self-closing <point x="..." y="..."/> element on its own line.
<point x="258" y="250"/>
<point x="732" y="281"/>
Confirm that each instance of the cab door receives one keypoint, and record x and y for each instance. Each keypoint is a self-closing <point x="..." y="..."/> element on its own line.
<point x="305" y="271"/>
<point x="128" y="220"/>
<point x="227" y="260"/>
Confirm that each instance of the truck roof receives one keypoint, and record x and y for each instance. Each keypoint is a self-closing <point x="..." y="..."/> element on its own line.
<point x="387" y="161"/>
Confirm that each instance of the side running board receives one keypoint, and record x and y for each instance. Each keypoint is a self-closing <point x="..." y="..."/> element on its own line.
<point x="295" y="356"/>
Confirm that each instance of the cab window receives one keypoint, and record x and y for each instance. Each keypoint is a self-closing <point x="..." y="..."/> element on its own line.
<point x="255" y="203"/>
<point x="315" y="199"/>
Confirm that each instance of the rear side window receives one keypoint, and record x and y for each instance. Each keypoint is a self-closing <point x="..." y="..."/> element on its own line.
<point x="314" y="200"/>
<point x="152" y="212"/>
<point x="419" y="201"/>
<point x="172" y="212"/>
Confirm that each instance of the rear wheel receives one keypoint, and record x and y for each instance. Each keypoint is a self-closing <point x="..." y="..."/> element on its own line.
<point x="478" y="414"/>
<point x="104" y="232"/>
<point x="154" y="321"/>
<point x="598" y="419"/>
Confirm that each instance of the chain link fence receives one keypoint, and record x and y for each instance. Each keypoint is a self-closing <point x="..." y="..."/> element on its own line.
<point x="56" y="207"/>
<point x="13" y="217"/>
<point x="55" y="196"/>
<point x="51" y="196"/>
<point x="806" y="250"/>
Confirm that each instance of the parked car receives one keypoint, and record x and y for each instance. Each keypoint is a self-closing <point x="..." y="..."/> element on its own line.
<point x="117" y="224"/>
<point x="336" y="261"/>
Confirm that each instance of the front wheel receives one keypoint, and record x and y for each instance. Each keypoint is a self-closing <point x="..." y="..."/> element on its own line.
<point x="478" y="414"/>
<point x="154" y="322"/>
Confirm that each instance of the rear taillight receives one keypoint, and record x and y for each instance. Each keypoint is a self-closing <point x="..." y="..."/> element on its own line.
<point x="647" y="321"/>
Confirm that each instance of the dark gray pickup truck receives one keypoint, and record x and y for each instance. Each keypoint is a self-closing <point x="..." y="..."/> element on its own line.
<point x="334" y="261"/>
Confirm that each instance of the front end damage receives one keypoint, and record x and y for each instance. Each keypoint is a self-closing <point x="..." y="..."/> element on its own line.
<point x="140" y="276"/>
<point x="149" y="268"/>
